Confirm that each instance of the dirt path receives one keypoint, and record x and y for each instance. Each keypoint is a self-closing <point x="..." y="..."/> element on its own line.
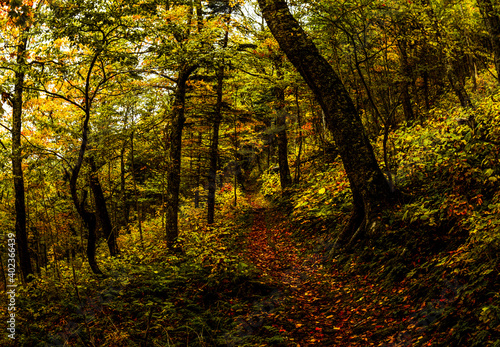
<point x="313" y="307"/>
<point x="302" y="308"/>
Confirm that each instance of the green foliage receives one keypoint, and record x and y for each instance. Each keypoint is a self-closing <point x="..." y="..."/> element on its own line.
<point x="184" y="298"/>
<point x="326" y="193"/>
<point x="226" y="193"/>
<point x="270" y="184"/>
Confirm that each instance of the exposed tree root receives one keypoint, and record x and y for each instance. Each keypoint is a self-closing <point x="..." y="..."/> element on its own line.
<point x="366" y="220"/>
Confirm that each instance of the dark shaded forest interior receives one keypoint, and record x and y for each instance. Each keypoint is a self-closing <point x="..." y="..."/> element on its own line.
<point x="250" y="173"/>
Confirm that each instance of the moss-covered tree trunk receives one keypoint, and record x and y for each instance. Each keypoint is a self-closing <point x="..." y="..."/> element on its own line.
<point x="370" y="190"/>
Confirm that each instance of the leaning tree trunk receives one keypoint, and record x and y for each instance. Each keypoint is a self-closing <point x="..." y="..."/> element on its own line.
<point x="17" y="169"/>
<point x="370" y="190"/>
<point x="174" y="174"/>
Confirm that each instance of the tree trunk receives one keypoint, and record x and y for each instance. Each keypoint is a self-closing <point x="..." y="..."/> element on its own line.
<point x="493" y="24"/>
<point x="279" y="93"/>
<point x="123" y="194"/>
<point x="299" y="126"/>
<point x="212" y="172"/>
<point x="89" y="219"/>
<point x="426" y="90"/>
<point x="459" y="88"/>
<point x="405" y="84"/>
<point x="174" y="174"/>
<point x="101" y="209"/>
<point x="214" y="148"/>
<point x="371" y="193"/>
<point x="125" y="214"/>
<point x="17" y="169"/>
<point x="136" y="191"/>
<point x="236" y="163"/>
<point x="198" y="172"/>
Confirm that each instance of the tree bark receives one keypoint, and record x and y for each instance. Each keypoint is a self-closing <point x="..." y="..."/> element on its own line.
<point x="371" y="193"/>
<point x="174" y="174"/>
<point x="89" y="218"/>
<point x="136" y="191"/>
<point x="17" y="169"/>
<point x="299" y="127"/>
<point x="427" y="101"/>
<point x="214" y="148"/>
<point x="279" y="93"/>
<point x="198" y="172"/>
<point x="493" y="24"/>
<point x="123" y="194"/>
<point x="407" y="73"/>
<point x="459" y="88"/>
<point x="101" y="209"/>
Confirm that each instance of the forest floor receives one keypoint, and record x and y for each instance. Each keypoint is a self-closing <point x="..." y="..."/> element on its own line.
<point x="315" y="305"/>
<point x="260" y="278"/>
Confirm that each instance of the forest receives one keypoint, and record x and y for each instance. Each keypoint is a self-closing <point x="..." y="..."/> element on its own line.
<point x="250" y="173"/>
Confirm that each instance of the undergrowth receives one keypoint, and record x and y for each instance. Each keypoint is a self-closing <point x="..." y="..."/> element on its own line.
<point x="438" y="258"/>
<point x="150" y="295"/>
